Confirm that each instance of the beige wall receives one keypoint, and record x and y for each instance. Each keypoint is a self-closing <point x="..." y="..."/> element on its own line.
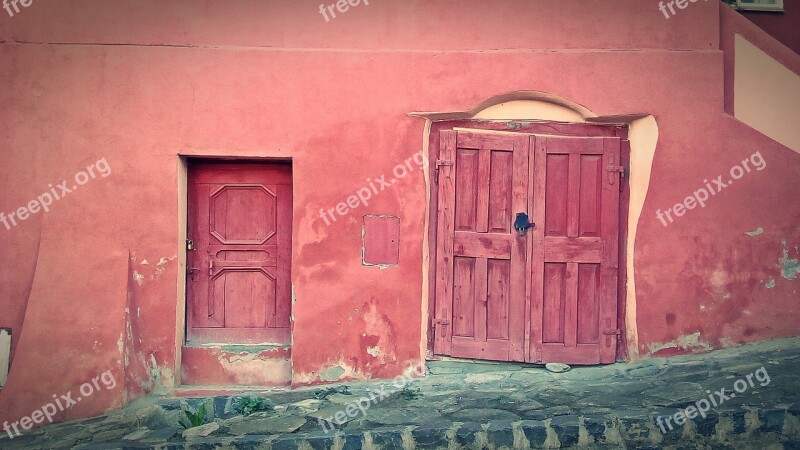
<point x="766" y="94"/>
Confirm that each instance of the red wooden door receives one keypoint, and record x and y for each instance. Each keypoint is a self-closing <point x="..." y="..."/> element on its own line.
<point x="480" y="281"/>
<point x="575" y="205"/>
<point x="238" y="282"/>
<point x="560" y="306"/>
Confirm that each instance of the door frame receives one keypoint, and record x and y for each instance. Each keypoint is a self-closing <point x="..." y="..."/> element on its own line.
<point x="527" y="127"/>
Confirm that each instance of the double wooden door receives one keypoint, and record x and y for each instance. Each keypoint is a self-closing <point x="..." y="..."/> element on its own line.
<point x="548" y="293"/>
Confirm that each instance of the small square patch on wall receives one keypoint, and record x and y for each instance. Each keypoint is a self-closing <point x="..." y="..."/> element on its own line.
<point x="381" y="241"/>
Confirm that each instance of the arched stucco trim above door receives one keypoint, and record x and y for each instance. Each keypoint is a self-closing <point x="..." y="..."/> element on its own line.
<point x="535" y="106"/>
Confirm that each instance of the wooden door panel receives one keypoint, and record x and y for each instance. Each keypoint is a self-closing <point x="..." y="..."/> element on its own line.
<point x="467" y="182"/>
<point x="238" y="287"/>
<point x="575" y="253"/>
<point x="480" y="306"/>
<point x="248" y="297"/>
<point x="590" y="199"/>
<point x="494" y="246"/>
<point x="588" y="304"/>
<point x="559" y="248"/>
<point x="500" y="193"/>
<point x="481" y="293"/>
<point x="557" y="169"/>
<point x="498" y="298"/>
<point x="554" y="302"/>
<point x="464" y="296"/>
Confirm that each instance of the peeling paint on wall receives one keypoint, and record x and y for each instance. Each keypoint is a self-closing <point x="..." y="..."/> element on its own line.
<point x="718" y="282"/>
<point x="138" y="277"/>
<point x="332" y="373"/>
<point x="789" y="267"/>
<point x="378" y="335"/>
<point x="254" y="370"/>
<point x="684" y="342"/>
<point x="159" y="270"/>
<point x="757" y="232"/>
<point x="121" y="342"/>
<point x="770" y="284"/>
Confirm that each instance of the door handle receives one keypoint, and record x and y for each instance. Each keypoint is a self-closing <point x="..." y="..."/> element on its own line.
<point x="522" y="223"/>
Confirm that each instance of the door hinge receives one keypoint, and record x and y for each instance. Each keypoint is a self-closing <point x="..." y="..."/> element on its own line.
<point x="440" y="322"/>
<point x="612" y="169"/>
<point x="440" y="162"/>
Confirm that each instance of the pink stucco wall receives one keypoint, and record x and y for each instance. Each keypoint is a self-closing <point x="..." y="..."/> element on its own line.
<point x="139" y="82"/>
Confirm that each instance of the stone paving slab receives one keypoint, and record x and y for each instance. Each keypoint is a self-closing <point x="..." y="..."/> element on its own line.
<point x="640" y="405"/>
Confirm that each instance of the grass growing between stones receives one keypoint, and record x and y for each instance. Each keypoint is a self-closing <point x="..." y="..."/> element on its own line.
<point x="247" y="405"/>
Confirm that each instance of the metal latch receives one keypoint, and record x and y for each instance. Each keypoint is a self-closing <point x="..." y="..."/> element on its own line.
<point x="440" y="322"/>
<point x="616" y="332"/>
<point x="612" y="169"/>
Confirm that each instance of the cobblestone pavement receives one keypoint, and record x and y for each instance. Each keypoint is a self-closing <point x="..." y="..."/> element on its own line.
<point x="484" y="405"/>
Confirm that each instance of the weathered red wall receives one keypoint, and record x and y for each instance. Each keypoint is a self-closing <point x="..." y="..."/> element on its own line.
<point x="274" y="79"/>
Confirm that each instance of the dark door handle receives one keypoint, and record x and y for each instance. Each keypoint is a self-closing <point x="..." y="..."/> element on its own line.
<point x="522" y="223"/>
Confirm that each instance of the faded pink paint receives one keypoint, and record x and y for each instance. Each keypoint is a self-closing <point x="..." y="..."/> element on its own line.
<point x="273" y="79"/>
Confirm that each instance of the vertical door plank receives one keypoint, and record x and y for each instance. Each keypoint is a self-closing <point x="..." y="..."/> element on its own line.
<point x="518" y="307"/>
<point x="498" y="298"/>
<point x="480" y="296"/>
<point x="573" y="189"/>
<point x="571" y="305"/>
<point x="501" y="190"/>
<point x="445" y="236"/>
<point x="464" y="297"/>
<point x="553" y="303"/>
<point x="284" y="287"/>
<point x="556" y="180"/>
<point x="610" y="263"/>
<point x="466" y="181"/>
<point x="588" y="306"/>
<point x="538" y="179"/>
<point x="484" y="172"/>
<point x="590" y="195"/>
